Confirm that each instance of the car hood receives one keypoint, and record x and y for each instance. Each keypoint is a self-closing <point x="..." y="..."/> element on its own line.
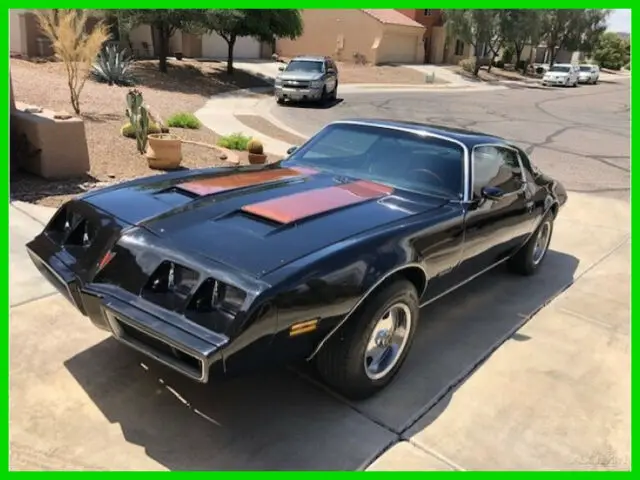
<point x="257" y="220"/>
<point x="300" y="76"/>
<point x="557" y="74"/>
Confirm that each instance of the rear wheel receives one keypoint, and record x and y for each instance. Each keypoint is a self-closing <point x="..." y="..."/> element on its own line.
<point x="528" y="259"/>
<point x="367" y="352"/>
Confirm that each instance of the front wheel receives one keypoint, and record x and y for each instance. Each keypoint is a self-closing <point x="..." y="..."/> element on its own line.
<point x="334" y="94"/>
<point x="367" y="352"/>
<point x="528" y="259"/>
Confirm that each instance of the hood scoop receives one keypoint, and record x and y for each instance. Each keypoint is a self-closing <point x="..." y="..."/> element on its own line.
<point x="299" y="206"/>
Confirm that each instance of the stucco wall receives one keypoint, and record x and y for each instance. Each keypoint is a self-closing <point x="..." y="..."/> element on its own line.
<point x="339" y="33"/>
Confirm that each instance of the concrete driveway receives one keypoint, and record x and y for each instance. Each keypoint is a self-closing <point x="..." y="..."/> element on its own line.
<point x="554" y="395"/>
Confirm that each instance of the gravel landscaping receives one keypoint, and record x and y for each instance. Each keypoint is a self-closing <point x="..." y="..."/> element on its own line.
<point x="113" y="157"/>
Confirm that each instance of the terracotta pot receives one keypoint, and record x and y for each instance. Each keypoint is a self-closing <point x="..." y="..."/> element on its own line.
<point x="164" y="151"/>
<point x="178" y="55"/>
<point x="257" y="158"/>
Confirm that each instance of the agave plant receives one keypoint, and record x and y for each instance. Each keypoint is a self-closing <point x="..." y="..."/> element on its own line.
<point x="113" y="66"/>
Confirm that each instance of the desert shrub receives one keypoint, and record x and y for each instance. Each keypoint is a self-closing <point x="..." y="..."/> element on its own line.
<point x="235" y="141"/>
<point x="129" y="130"/>
<point x="468" y="64"/>
<point x="628" y="66"/>
<point x="499" y="64"/>
<point x="521" y="65"/>
<point x="71" y="45"/>
<point x="113" y="66"/>
<point x="184" y="120"/>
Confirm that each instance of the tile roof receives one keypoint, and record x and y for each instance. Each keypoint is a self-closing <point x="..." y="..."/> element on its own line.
<point x="391" y="16"/>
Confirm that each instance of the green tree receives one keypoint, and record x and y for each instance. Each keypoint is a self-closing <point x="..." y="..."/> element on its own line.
<point x="610" y="51"/>
<point x="164" y="23"/>
<point x="572" y="29"/>
<point x="520" y="27"/>
<point x="261" y="24"/>
<point x="477" y="27"/>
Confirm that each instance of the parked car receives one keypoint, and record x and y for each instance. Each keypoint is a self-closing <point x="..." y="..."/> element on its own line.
<point x="563" y="74"/>
<point x="307" y="78"/>
<point x="589" y="74"/>
<point x="325" y="256"/>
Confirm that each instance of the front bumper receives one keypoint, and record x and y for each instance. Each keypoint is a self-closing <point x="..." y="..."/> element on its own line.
<point x="167" y="337"/>
<point x="584" y="79"/>
<point x="297" y="94"/>
<point x="555" y="81"/>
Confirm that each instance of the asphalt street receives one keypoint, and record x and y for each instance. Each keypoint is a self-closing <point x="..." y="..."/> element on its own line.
<point x="579" y="135"/>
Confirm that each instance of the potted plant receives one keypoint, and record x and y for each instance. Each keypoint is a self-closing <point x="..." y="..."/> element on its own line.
<point x="256" y="152"/>
<point x="178" y="55"/>
<point x="163" y="150"/>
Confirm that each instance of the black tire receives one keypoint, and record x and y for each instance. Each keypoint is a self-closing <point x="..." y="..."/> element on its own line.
<point x="341" y="361"/>
<point x="280" y="100"/>
<point x="334" y="94"/>
<point x="525" y="261"/>
<point x="323" y="96"/>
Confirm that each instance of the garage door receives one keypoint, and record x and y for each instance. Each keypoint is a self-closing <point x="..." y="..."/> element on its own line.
<point x="399" y="48"/>
<point x="214" y="46"/>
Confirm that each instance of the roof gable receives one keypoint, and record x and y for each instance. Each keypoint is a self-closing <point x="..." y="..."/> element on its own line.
<point x="391" y="16"/>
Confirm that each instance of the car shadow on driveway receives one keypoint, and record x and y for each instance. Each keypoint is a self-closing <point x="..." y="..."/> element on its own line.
<point x="313" y="105"/>
<point x="278" y="421"/>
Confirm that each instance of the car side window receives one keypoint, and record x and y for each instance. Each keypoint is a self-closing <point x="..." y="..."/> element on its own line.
<point x="498" y="167"/>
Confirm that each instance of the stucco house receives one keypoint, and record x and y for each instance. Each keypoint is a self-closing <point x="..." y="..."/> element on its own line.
<point x="27" y="40"/>
<point x="376" y="36"/>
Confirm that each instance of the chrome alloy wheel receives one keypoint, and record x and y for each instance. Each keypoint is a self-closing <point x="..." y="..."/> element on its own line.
<point x="387" y="341"/>
<point x="542" y="243"/>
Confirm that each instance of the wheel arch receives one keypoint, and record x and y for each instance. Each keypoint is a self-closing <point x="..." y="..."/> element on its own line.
<point x="413" y="272"/>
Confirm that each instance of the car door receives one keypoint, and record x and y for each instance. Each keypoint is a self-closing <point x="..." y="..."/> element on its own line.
<point x="500" y="215"/>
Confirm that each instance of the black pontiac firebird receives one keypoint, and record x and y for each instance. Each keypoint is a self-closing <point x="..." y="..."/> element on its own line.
<point x="327" y="255"/>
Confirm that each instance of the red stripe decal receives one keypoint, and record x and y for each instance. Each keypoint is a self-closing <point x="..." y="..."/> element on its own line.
<point x="209" y="186"/>
<point x="295" y="207"/>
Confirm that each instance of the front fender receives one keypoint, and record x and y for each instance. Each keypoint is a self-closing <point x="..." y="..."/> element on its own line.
<point x="330" y="288"/>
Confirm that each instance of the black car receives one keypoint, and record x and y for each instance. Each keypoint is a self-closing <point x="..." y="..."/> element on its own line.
<point x="325" y="256"/>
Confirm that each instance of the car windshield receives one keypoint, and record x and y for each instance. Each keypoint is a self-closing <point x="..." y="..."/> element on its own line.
<point x="559" y="68"/>
<point x="399" y="159"/>
<point x="585" y="68"/>
<point x="304" y="66"/>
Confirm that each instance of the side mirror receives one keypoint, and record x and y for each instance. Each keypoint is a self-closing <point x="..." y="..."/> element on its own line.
<point x="292" y="149"/>
<point x="492" y="193"/>
<point x="281" y="68"/>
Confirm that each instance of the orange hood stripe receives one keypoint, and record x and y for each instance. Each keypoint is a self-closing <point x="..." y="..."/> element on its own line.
<point x="298" y="206"/>
<point x="213" y="185"/>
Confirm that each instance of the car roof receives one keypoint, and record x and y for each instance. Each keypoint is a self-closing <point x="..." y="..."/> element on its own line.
<point x="469" y="138"/>
<point x="311" y="58"/>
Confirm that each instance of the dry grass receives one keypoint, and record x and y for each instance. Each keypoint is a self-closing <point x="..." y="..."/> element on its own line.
<point x="113" y="158"/>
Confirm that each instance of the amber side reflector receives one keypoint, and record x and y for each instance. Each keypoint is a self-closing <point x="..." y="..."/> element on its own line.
<point x="303" y="327"/>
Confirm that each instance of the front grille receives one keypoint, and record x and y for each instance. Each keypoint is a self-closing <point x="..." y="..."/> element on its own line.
<point x="296" y="84"/>
<point x="162" y="350"/>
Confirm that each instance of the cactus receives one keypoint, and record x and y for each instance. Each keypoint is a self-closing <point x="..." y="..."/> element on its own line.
<point x="255" y="146"/>
<point x="139" y="118"/>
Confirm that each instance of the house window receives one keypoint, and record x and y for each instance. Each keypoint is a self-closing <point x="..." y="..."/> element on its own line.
<point x="427" y="13"/>
<point x="459" y="48"/>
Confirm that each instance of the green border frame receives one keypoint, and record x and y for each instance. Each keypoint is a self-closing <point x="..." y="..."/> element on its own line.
<point x="635" y="180"/>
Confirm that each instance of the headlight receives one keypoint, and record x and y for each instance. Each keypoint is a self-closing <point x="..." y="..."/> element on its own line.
<point x="316" y="84"/>
<point x="214" y="295"/>
<point x="230" y="298"/>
